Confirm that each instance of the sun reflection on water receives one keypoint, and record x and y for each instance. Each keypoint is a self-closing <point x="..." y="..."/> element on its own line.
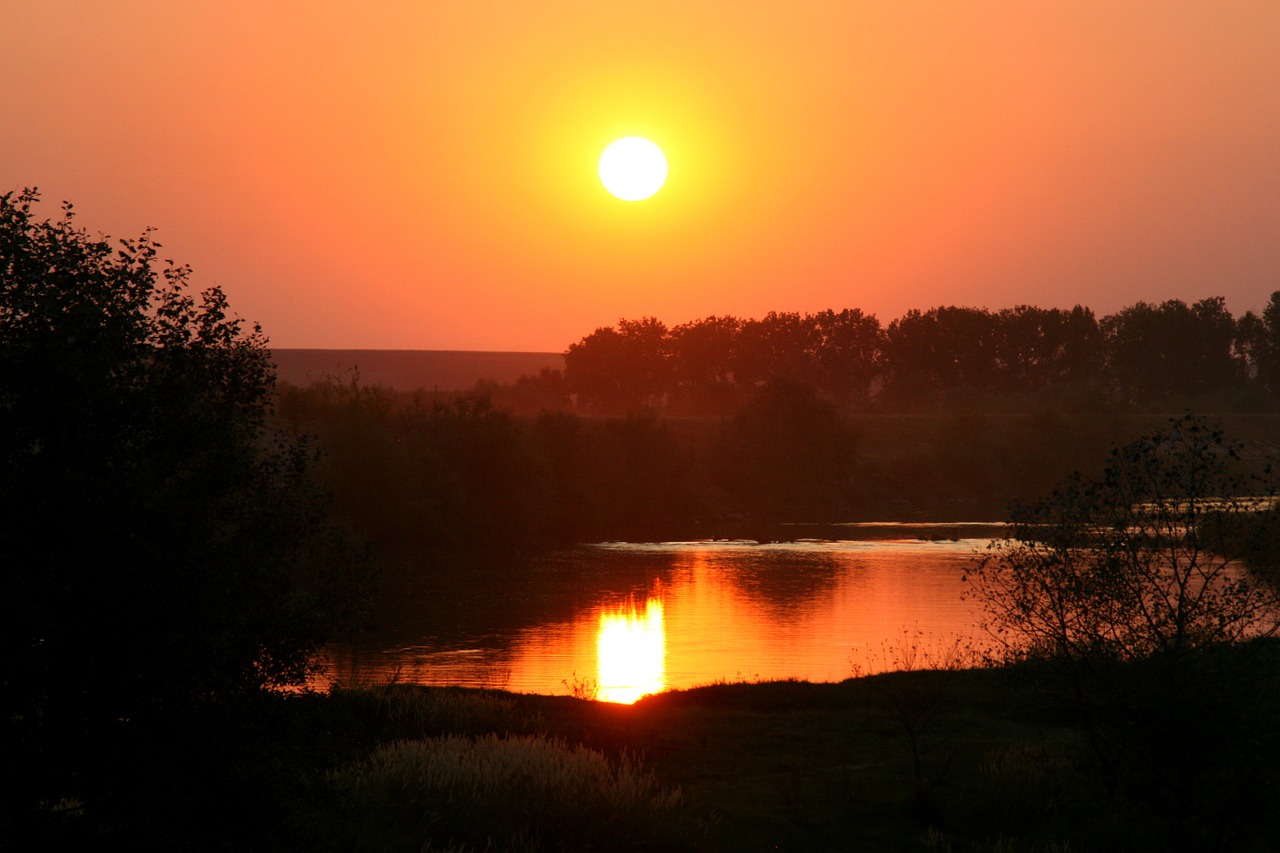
<point x="631" y="649"/>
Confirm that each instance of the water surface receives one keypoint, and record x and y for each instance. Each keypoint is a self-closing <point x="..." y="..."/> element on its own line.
<point x="622" y="619"/>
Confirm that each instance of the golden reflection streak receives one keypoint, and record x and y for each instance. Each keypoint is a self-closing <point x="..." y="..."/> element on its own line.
<point x="631" y="652"/>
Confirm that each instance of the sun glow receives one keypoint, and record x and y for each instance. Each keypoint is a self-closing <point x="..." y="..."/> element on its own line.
<point x="633" y="168"/>
<point x="631" y="651"/>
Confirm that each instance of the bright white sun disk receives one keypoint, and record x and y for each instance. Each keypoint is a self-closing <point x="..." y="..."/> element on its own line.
<point x="633" y="168"/>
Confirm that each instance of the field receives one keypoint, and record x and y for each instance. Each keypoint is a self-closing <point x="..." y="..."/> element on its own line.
<point x="410" y="370"/>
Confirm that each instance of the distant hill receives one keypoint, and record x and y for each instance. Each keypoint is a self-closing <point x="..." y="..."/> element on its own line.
<point x="409" y="370"/>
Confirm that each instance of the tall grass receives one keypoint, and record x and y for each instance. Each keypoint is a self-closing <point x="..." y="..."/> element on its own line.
<point x="414" y="711"/>
<point x="916" y="650"/>
<point x="524" y="793"/>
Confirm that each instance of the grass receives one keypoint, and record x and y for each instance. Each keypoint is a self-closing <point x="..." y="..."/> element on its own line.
<point x="954" y="760"/>
<point x="522" y="792"/>
<point x="759" y="764"/>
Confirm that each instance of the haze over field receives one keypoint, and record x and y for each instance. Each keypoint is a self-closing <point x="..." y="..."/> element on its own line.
<point x="409" y="370"/>
<point x="408" y="175"/>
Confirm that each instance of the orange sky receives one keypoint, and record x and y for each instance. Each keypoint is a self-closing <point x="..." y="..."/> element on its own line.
<point x="422" y="174"/>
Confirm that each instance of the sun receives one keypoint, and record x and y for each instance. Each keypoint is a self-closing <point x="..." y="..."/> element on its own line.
<point x="633" y="168"/>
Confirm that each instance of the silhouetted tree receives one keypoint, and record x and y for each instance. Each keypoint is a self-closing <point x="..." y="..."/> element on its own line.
<point x="1265" y="345"/>
<point x="159" y="550"/>
<point x="787" y="455"/>
<point x="487" y="490"/>
<point x="547" y="391"/>
<point x="424" y="475"/>
<point x="1043" y="347"/>
<point x="702" y="365"/>
<point x="620" y="370"/>
<point x="942" y="349"/>
<point x="1139" y="561"/>
<point x="641" y="483"/>
<point x="1172" y="350"/>
<point x="561" y="439"/>
<point x="777" y="346"/>
<point x="1127" y="592"/>
<point x="848" y="352"/>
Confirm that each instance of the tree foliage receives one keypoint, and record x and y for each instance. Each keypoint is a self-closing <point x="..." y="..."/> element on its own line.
<point x="788" y="450"/>
<point x="1172" y="349"/>
<point x="1142" y="561"/>
<point x="159" y="549"/>
<point x="1144" y="354"/>
<point x="1264" y="343"/>
<point x="1127" y="594"/>
<point x="623" y="369"/>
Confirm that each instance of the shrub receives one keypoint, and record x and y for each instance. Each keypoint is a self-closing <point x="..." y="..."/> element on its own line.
<point x="1139" y="562"/>
<point x="162" y="551"/>
<point x="1128" y="595"/>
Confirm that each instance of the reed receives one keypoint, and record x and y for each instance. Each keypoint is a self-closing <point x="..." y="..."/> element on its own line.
<point x="414" y="711"/>
<point x="514" y="792"/>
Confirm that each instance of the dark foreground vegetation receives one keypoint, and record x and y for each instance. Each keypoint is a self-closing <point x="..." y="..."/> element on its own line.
<point x="166" y="558"/>
<point x="171" y="566"/>
<point x="969" y="760"/>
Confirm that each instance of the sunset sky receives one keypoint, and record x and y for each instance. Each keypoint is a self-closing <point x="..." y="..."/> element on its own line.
<point x="422" y="175"/>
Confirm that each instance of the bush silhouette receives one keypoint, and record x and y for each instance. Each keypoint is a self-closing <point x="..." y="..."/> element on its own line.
<point x="161" y="552"/>
<point x="1126" y="592"/>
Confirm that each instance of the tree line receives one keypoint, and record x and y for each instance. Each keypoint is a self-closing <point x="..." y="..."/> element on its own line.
<point x="724" y="427"/>
<point x="1146" y="354"/>
<point x="429" y="475"/>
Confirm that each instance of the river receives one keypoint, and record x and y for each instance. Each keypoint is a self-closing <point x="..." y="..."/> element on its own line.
<point x="619" y="620"/>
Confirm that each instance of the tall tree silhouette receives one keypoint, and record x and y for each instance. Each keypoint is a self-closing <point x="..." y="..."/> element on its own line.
<point x="848" y="352"/>
<point x="1171" y="350"/>
<point x="623" y="369"/>
<point x="1267" y="345"/>
<point x="1040" y="347"/>
<point x="702" y="364"/>
<point x="159" y="550"/>
<point x="777" y="346"/>
<point x="942" y="349"/>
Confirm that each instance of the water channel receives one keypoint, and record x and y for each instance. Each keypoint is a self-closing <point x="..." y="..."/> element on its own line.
<point x="619" y="620"/>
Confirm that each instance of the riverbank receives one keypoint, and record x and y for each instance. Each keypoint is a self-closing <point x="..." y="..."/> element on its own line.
<point x="965" y="760"/>
<point x="962" y="760"/>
